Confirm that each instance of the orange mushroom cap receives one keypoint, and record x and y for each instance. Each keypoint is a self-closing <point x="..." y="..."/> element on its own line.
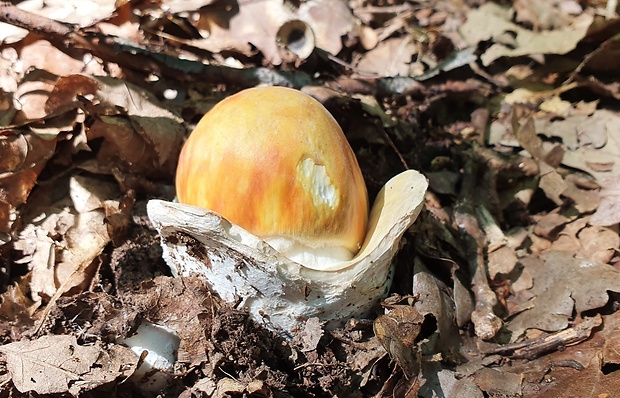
<point x="274" y="161"/>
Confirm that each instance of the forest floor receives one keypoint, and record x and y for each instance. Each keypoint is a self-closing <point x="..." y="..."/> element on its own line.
<point x="507" y="285"/>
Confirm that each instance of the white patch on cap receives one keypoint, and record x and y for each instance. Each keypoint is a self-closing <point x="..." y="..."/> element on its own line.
<point x="317" y="182"/>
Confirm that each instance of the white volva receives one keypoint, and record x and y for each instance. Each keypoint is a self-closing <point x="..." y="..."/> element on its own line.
<point x="279" y="291"/>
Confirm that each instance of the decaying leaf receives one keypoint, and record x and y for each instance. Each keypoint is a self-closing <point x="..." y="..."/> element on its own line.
<point x="137" y="129"/>
<point x="311" y="334"/>
<point x="58" y="364"/>
<point x="564" y="284"/>
<point x="496" y="383"/>
<point x="22" y="157"/>
<point x="232" y="26"/>
<point x="552" y="184"/>
<point x="608" y="211"/>
<point x="584" y="200"/>
<point x="83" y="13"/>
<point x="592" y="143"/>
<point x="445" y="383"/>
<point x="433" y="298"/>
<point x="586" y="241"/>
<point x="546" y="15"/>
<point x="42" y="55"/>
<point x="598" y="244"/>
<point x="330" y="20"/>
<point x="397" y="332"/>
<point x="492" y="21"/>
<point x="61" y="241"/>
<point x="399" y="52"/>
<point x="16" y="310"/>
<point x="228" y="386"/>
<point x="581" y="370"/>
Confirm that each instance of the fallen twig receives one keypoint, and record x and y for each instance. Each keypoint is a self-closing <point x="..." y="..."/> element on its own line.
<point x="530" y="349"/>
<point x="486" y="323"/>
<point x="71" y="38"/>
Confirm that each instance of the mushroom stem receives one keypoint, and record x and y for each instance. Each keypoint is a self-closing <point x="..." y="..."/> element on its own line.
<point x="161" y="345"/>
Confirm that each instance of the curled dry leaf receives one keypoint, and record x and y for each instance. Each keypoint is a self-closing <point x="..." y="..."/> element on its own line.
<point x="330" y="20"/>
<point x="433" y="298"/>
<point x="22" y="157"/>
<point x="61" y="241"/>
<point x="295" y="41"/>
<point x="59" y="365"/>
<point x="397" y="331"/>
<point x="33" y="91"/>
<point x="492" y="21"/>
<point x="41" y="54"/>
<point x="398" y="51"/>
<point x="138" y="131"/>
<point x="232" y="26"/>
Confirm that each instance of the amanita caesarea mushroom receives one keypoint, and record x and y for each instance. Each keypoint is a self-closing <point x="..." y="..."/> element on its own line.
<point x="276" y="163"/>
<point x="273" y="211"/>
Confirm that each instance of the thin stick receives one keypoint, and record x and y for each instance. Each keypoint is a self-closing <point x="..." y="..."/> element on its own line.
<point x="531" y="349"/>
<point x="486" y="323"/>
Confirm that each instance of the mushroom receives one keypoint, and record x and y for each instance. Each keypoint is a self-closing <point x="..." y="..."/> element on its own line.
<point x="273" y="212"/>
<point x="160" y="344"/>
